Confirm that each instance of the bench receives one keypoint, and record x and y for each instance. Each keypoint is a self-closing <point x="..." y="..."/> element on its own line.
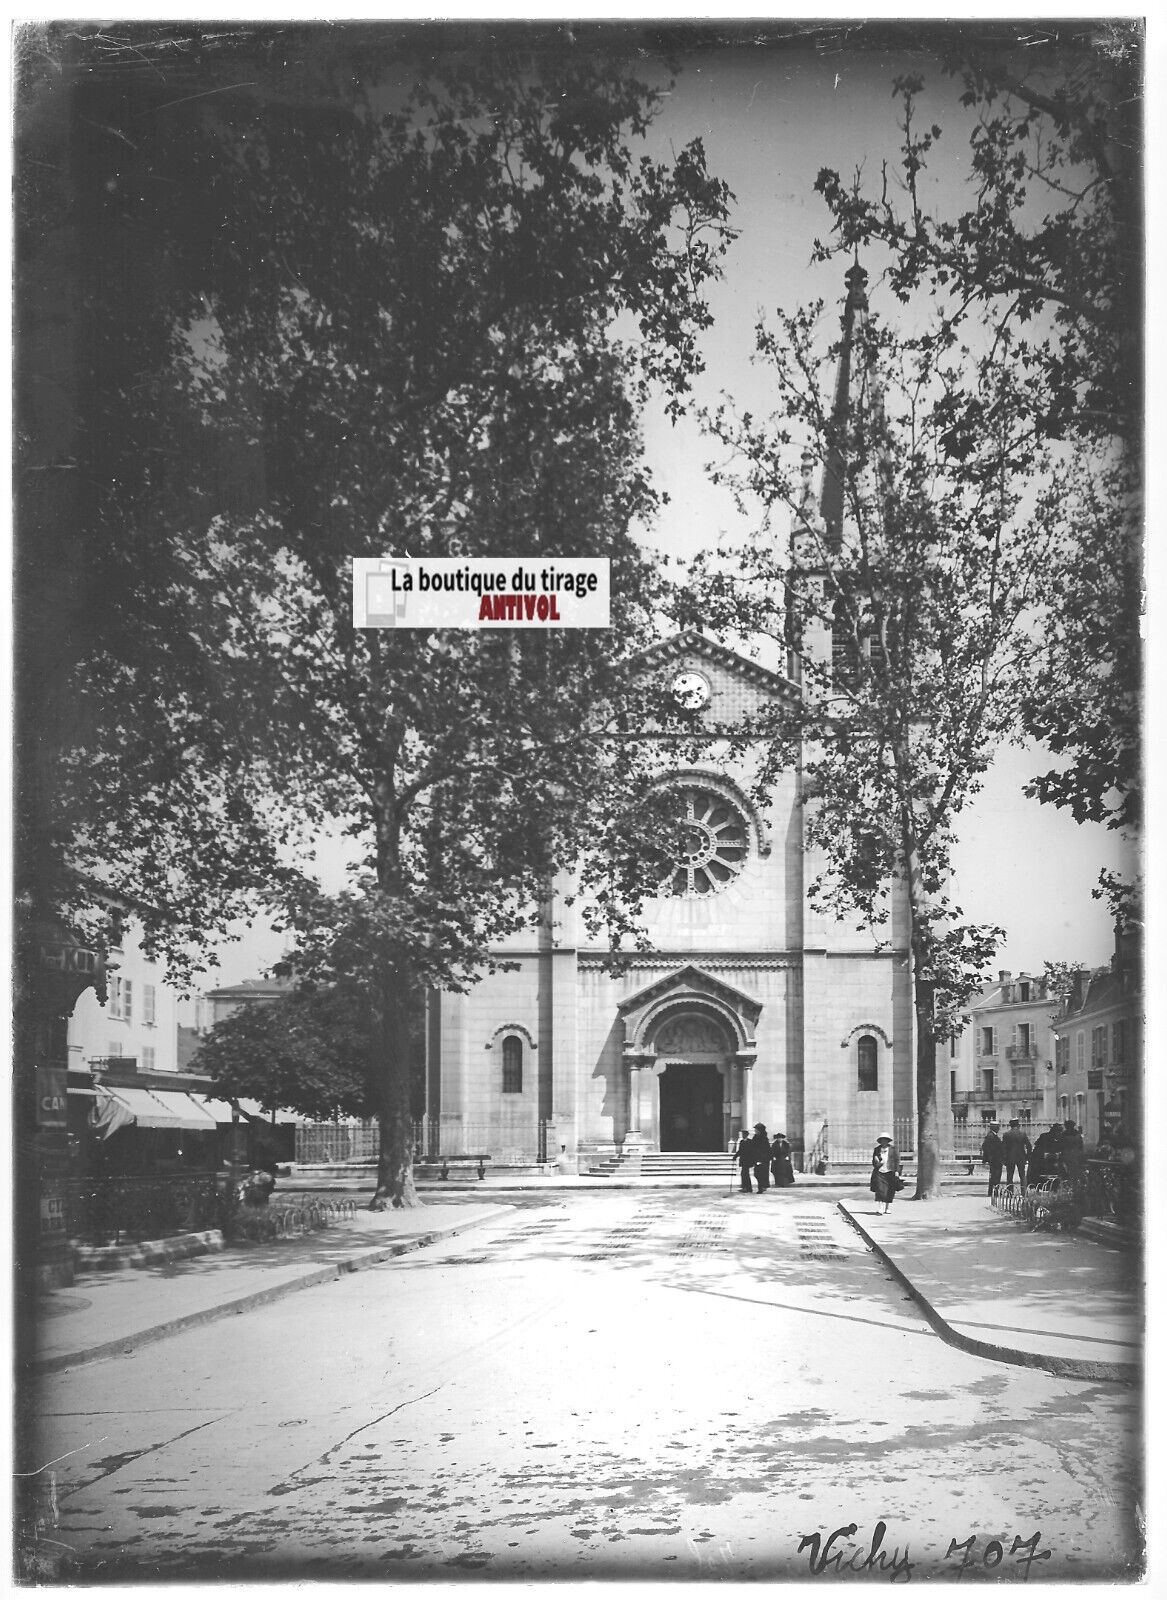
<point x="471" y="1161"/>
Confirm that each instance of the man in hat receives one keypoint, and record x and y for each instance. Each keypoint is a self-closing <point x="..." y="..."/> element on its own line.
<point x="743" y="1156"/>
<point x="760" y="1149"/>
<point x="993" y="1154"/>
<point x="1017" y="1149"/>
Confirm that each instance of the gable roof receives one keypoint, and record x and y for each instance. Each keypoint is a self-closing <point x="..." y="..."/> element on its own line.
<point x="691" y="643"/>
<point x="690" y="981"/>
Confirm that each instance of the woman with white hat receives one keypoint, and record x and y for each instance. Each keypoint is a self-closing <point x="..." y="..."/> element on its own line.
<point x="885" y="1167"/>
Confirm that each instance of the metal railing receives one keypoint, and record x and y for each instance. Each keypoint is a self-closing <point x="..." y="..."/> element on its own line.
<point x="817" y="1157"/>
<point x="122" y="1210"/>
<point x="1106" y="1190"/>
<point x="286" y="1219"/>
<point x="336" y="1143"/>
<point x="967" y="1137"/>
<point x="342" y="1143"/>
<point x="1113" y="1192"/>
<point x="1054" y="1203"/>
<point x="850" y="1142"/>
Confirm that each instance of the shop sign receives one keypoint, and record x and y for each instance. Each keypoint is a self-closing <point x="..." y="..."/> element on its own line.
<point x="62" y="957"/>
<point x="52" y="1215"/>
<point x="52" y="1092"/>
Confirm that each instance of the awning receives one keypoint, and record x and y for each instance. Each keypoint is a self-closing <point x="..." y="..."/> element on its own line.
<point x="163" y="1108"/>
<point x="221" y="1110"/>
<point x="185" y="1109"/>
<point x="253" y="1109"/>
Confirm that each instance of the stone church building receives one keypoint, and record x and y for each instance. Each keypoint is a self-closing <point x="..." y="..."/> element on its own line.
<point x="750" y="1005"/>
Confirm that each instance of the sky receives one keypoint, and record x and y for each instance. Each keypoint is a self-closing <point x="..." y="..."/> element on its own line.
<point x="769" y="121"/>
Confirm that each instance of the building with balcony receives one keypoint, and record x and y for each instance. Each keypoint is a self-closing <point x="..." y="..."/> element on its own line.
<point x="1098" y="1045"/>
<point x="1001" y="1065"/>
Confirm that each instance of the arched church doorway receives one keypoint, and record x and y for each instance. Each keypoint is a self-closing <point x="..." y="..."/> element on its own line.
<point x="691" y="1106"/>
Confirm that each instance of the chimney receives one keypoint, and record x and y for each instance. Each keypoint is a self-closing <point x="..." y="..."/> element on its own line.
<point x="1003" y="976"/>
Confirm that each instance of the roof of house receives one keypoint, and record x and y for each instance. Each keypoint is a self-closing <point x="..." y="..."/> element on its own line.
<point x="251" y="989"/>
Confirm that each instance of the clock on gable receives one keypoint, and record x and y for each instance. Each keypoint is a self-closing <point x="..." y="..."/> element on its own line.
<point x="692" y="689"/>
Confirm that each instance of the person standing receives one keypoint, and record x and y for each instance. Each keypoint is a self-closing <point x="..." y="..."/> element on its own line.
<point x="760" y="1148"/>
<point x="885" y="1169"/>
<point x="993" y="1155"/>
<point x="1073" y="1152"/>
<point x="781" y="1164"/>
<point x="1017" y="1150"/>
<point x="1045" y="1159"/>
<point x="743" y="1155"/>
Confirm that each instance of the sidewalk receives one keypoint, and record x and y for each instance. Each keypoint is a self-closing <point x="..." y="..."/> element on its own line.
<point x="111" y="1314"/>
<point x="1068" y="1303"/>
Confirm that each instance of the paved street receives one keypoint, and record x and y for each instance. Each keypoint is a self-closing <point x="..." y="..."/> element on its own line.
<point x="644" y="1384"/>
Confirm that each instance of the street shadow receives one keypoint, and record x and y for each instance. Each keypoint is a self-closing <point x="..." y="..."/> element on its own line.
<point x="991" y="1257"/>
<point x="676" y="1246"/>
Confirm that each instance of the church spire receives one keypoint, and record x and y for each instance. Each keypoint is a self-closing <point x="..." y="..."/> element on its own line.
<point x="835" y="462"/>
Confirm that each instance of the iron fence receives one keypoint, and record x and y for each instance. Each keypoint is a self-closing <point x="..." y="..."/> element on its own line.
<point x="124" y="1210"/>
<point x="1108" y="1190"/>
<point x="348" y="1143"/>
<point x="853" y="1142"/>
<point x="967" y="1136"/>
<point x="336" y="1143"/>
<point x="1113" y="1192"/>
<point x="284" y="1220"/>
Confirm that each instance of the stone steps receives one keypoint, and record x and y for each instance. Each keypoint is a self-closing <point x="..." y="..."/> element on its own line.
<point x="685" y="1164"/>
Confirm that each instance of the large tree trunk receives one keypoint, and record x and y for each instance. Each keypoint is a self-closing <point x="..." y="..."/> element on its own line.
<point x="929" y="1182"/>
<point x="929" y="1179"/>
<point x="395" y="1186"/>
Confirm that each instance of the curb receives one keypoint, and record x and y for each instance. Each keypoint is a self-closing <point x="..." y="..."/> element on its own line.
<point x="247" y="1302"/>
<point x="1061" y="1366"/>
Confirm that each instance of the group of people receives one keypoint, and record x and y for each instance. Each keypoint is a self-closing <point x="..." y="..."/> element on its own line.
<point x="1059" y="1152"/>
<point x="767" y="1159"/>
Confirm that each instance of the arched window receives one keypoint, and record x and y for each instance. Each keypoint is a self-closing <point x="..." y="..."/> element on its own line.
<point x="842" y="644"/>
<point x="512" y="1065"/>
<point x="868" y="1063"/>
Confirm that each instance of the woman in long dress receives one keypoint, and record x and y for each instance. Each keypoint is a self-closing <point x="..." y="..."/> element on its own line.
<point x="781" y="1164"/>
<point x="885" y="1166"/>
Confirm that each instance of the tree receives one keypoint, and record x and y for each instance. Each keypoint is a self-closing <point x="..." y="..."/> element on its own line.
<point x="398" y="338"/>
<point x="914" y="594"/>
<point x="305" y="1052"/>
<point x="1060" y="978"/>
<point x="1044" y="260"/>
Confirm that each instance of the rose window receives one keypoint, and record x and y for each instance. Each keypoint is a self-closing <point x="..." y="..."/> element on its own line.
<point x="714" y="844"/>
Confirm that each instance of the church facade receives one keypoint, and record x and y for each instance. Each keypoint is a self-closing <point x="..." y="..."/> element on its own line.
<point x="749" y="1006"/>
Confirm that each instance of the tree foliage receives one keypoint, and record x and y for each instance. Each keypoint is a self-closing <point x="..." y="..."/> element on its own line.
<point x="1039" y="264"/>
<point x="301" y="1052"/>
<point x="912" y="616"/>
<point x="391" y="329"/>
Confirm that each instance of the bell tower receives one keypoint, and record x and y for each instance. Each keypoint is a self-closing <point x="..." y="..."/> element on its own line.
<point x="817" y="525"/>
